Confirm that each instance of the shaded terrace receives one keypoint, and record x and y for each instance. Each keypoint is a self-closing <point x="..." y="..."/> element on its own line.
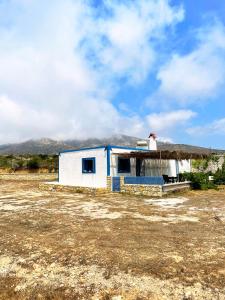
<point x="160" y="159"/>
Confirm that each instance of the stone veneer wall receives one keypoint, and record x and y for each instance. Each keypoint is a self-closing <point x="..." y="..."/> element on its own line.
<point x="109" y="183"/>
<point x="141" y="189"/>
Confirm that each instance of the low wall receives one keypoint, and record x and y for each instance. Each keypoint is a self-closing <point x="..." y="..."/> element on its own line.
<point x="133" y="189"/>
<point x="140" y="189"/>
<point x="27" y="171"/>
<point x="74" y="189"/>
<point x="176" y="187"/>
<point x="29" y="176"/>
<point x="152" y="190"/>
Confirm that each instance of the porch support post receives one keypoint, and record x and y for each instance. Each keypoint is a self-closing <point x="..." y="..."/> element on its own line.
<point x="177" y="170"/>
<point x="160" y="162"/>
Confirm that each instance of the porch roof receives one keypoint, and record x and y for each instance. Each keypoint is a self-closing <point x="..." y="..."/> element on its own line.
<point x="165" y="154"/>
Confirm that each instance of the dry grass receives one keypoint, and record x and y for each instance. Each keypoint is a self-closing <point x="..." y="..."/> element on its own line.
<point x="57" y="245"/>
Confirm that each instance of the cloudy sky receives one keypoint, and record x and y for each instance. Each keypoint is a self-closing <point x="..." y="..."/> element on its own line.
<point x="93" y="68"/>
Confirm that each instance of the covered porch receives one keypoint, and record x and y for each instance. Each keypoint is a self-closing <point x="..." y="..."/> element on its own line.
<point x="156" y="172"/>
<point x="166" y="164"/>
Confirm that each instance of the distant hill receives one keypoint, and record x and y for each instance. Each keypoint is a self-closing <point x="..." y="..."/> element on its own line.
<point x="42" y="146"/>
<point x="49" y="146"/>
<point x="188" y="148"/>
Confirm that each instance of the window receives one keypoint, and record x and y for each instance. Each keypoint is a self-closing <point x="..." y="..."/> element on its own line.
<point x="123" y="165"/>
<point x="88" y="165"/>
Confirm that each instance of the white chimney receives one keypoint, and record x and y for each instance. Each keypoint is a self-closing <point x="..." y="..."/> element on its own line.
<point x="152" y="143"/>
<point x="142" y="144"/>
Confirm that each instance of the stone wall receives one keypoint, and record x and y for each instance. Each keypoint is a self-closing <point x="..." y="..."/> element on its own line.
<point x="74" y="189"/>
<point x="30" y="176"/>
<point x="109" y="183"/>
<point x="141" y="189"/>
<point x="26" y="171"/>
<point x="133" y="189"/>
<point x="136" y="189"/>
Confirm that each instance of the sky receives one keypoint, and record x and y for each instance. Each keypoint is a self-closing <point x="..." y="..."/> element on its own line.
<point x="94" y="68"/>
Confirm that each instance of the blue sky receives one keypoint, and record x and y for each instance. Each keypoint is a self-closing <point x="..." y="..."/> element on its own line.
<point x="78" y="69"/>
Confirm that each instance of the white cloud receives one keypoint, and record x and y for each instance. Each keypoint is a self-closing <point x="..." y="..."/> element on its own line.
<point x="163" y="122"/>
<point x="198" y="75"/>
<point x="130" y="33"/>
<point x="19" y="121"/>
<point x="61" y="63"/>
<point x="22" y="122"/>
<point x="217" y="127"/>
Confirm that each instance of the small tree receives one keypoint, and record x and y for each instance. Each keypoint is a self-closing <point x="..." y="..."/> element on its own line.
<point x="219" y="176"/>
<point x="33" y="164"/>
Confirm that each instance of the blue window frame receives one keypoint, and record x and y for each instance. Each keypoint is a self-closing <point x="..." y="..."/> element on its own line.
<point x="123" y="165"/>
<point x="88" y="165"/>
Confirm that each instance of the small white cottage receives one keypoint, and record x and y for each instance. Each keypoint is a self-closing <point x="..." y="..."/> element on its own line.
<point x="92" y="167"/>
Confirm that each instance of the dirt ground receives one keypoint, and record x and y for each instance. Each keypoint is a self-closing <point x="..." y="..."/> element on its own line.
<point x="58" y="245"/>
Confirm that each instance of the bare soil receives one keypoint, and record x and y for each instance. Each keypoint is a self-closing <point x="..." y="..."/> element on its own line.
<point x="62" y="245"/>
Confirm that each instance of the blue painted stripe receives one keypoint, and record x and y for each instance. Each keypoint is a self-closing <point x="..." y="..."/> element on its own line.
<point x="108" y="149"/>
<point x="151" y="180"/>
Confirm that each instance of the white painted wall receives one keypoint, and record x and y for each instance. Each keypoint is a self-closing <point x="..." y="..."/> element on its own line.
<point x="184" y="166"/>
<point x="70" y="168"/>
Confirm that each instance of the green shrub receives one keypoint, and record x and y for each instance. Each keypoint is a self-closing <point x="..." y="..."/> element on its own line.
<point x="219" y="176"/>
<point x="28" y="161"/>
<point x="33" y="164"/>
<point x="199" y="181"/>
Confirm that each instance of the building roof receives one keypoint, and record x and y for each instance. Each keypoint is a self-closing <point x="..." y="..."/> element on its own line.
<point x="178" y="155"/>
<point x="150" y="154"/>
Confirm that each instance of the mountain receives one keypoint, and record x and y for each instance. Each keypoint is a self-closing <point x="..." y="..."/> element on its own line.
<point x="49" y="146"/>
<point x="188" y="148"/>
<point x="41" y="146"/>
<point x="120" y="140"/>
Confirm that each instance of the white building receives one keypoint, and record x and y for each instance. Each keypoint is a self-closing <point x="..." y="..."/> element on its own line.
<point x="90" y="167"/>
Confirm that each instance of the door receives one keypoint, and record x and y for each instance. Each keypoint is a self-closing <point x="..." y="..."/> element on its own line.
<point x="116" y="184"/>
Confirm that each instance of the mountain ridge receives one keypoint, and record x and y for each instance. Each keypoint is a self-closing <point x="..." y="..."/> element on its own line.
<point x="50" y="146"/>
